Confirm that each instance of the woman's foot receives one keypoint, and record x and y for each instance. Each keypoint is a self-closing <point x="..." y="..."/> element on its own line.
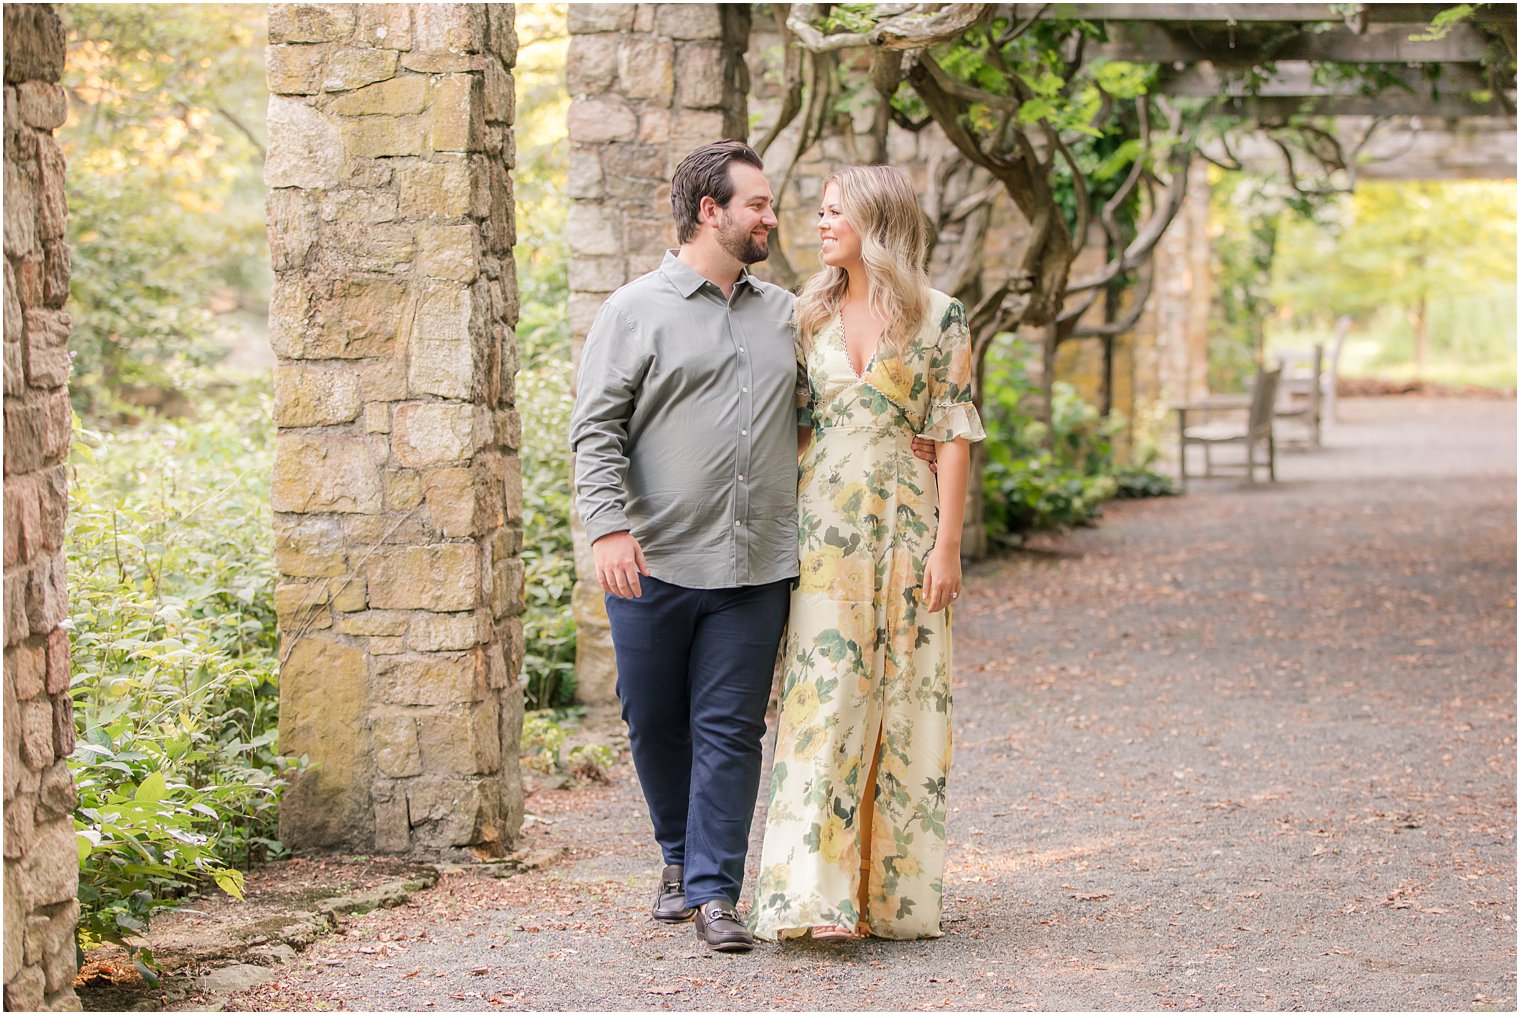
<point x="830" y="932"/>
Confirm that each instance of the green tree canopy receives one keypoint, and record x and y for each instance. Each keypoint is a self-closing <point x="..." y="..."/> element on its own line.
<point x="1401" y="245"/>
<point x="165" y="143"/>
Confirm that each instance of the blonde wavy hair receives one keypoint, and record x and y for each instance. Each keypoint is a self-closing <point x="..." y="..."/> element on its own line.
<point x="880" y="205"/>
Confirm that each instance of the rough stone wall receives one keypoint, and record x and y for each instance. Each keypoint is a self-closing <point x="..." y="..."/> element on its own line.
<point x="41" y="862"/>
<point x="397" y="486"/>
<point x="648" y="83"/>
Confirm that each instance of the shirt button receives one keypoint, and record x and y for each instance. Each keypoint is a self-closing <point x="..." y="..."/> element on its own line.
<point x="741" y="479"/>
<point x="741" y="348"/>
<point x="744" y="389"/>
<point x="743" y="433"/>
<point x="739" y="524"/>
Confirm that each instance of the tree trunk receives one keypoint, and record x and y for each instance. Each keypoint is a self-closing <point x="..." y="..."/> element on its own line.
<point x="1048" y="347"/>
<point x="1112" y="295"/>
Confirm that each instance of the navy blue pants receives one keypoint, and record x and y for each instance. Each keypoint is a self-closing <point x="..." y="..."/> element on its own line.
<point x="694" y="674"/>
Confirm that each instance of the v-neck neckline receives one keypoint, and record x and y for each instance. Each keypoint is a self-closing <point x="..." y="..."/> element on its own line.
<point x="845" y="345"/>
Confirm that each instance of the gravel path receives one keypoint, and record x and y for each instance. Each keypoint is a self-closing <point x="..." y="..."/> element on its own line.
<point x="1249" y="749"/>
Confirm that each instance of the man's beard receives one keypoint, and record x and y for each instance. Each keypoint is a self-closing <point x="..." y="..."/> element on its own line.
<point x="742" y="244"/>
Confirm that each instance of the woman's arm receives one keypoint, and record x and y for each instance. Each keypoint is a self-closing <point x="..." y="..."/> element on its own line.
<point x="804" y="438"/>
<point x="942" y="571"/>
<point x="954" y="473"/>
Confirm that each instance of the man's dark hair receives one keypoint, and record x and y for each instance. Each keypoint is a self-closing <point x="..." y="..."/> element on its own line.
<point x="704" y="173"/>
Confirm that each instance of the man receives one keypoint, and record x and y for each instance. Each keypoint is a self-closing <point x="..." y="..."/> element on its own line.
<point x="686" y="479"/>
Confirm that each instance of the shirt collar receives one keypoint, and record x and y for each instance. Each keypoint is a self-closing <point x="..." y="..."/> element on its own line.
<point x="687" y="280"/>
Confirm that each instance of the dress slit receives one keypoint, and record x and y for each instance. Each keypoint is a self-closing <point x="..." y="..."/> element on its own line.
<point x="867" y="816"/>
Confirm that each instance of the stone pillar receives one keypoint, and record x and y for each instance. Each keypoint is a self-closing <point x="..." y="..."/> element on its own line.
<point x="397" y="487"/>
<point x="1194" y="383"/>
<point x="648" y="83"/>
<point x="41" y="861"/>
<point x="633" y="119"/>
<point x="1178" y="363"/>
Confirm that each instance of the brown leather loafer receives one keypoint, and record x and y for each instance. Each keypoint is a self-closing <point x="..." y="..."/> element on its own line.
<point x="670" y="898"/>
<point x="720" y="927"/>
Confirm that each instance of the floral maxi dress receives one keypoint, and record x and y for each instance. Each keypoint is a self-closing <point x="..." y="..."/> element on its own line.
<point x="855" y="831"/>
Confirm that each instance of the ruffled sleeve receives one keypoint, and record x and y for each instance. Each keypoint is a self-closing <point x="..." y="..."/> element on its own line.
<point x="951" y="411"/>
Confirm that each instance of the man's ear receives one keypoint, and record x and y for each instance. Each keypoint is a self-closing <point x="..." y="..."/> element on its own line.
<point x="708" y="210"/>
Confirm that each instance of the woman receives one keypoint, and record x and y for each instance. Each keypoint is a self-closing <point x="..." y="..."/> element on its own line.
<point x="855" y="834"/>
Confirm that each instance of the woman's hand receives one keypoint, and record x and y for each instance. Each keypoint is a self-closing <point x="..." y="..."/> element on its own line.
<point x="942" y="578"/>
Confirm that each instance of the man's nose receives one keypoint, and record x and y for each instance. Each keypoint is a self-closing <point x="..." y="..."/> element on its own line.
<point x="769" y="219"/>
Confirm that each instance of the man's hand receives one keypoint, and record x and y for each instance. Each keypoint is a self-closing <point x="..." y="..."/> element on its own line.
<point x="619" y="562"/>
<point x="928" y="450"/>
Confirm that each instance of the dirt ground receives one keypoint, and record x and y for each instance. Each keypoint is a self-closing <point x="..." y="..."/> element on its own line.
<point x="1253" y="748"/>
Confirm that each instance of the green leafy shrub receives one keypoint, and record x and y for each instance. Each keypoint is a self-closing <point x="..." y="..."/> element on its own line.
<point x="172" y="629"/>
<point x="165" y="149"/>
<point x="1134" y="483"/>
<point x="543" y="398"/>
<point x="591" y="762"/>
<point x="1031" y="484"/>
<point x="543" y="334"/>
<point x="542" y="740"/>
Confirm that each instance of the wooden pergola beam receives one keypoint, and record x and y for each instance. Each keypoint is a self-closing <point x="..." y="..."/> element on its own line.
<point x="1263" y="13"/>
<point x="1278" y="108"/>
<point x="1298" y="78"/>
<point x="1481" y="148"/>
<point x="1155" y="42"/>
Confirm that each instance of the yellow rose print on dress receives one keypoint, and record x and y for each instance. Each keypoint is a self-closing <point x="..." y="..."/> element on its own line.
<point x="907" y="865"/>
<point x="853" y="579"/>
<point x="893" y="378"/>
<point x="819" y="567"/>
<point x="801" y="705"/>
<point x="833" y="839"/>
<point x="809" y="743"/>
<point x="855" y="499"/>
<point x="904" y="572"/>
<point x="851" y="773"/>
<point x="909" y="500"/>
<point x="893" y="768"/>
<point x="772" y="879"/>
<point x="857" y="623"/>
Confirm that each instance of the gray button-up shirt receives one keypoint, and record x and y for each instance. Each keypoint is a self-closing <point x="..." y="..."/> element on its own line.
<point x="685" y="427"/>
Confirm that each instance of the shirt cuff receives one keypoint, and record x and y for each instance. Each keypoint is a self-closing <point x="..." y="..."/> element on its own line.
<point x="606" y="523"/>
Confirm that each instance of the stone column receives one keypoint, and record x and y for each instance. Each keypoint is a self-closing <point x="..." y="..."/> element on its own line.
<point x="41" y="861"/>
<point x="648" y="83"/>
<point x="1178" y="362"/>
<point x="397" y="487"/>
<point x="1195" y="381"/>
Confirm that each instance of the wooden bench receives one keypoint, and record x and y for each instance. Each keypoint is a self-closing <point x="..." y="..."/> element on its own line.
<point x="1300" y="396"/>
<point x="1251" y="425"/>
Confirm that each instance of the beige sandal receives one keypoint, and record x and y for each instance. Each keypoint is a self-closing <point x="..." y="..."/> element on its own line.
<point x="830" y="932"/>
